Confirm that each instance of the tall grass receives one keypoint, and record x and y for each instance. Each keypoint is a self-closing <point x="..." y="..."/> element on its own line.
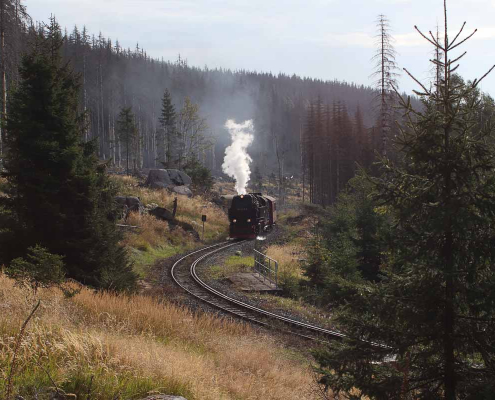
<point x="125" y="346"/>
<point x="288" y="256"/>
<point x="230" y="266"/>
<point x="154" y="239"/>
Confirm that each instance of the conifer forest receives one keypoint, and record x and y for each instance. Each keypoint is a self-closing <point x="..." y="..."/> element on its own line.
<point x="362" y="213"/>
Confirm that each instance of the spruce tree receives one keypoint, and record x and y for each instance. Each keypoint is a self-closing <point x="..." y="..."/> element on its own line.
<point x="167" y="135"/>
<point x="59" y="193"/>
<point x="428" y="330"/>
<point x="127" y="133"/>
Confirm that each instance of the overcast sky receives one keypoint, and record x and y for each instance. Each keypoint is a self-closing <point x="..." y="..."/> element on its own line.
<point x="327" y="39"/>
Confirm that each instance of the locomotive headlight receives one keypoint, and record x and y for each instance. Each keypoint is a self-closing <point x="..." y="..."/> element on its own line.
<point x="234" y="221"/>
<point x="249" y="220"/>
<point x="242" y="196"/>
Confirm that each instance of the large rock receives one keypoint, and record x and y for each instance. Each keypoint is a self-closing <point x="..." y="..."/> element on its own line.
<point x="164" y="397"/>
<point x="162" y="213"/>
<point x="129" y="202"/>
<point x="182" y="190"/>
<point x="158" y="179"/>
<point x="167" y="178"/>
<point x="179" y="177"/>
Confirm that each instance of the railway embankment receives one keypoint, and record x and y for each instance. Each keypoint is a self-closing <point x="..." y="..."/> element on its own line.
<point x="101" y="345"/>
<point x="287" y="244"/>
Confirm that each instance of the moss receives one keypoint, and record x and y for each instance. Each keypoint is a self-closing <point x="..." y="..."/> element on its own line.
<point x="145" y="258"/>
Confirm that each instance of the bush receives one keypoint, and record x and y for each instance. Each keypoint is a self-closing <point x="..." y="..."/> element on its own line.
<point x="200" y="175"/>
<point x="40" y="268"/>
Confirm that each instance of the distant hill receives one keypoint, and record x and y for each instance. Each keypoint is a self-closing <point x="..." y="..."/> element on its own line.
<point x="113" y="77"/>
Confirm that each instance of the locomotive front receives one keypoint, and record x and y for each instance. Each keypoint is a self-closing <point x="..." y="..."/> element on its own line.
<point x="251" y="214"/>
<point x="243" y="217"/>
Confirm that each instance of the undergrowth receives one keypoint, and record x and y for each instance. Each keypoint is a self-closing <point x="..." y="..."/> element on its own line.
<point x="108" y="346"/>
<point x="153" y="239"/>
<point x="230" y="266"/>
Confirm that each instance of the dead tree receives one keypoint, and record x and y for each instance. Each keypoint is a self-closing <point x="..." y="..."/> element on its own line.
<point x="385" y="76"/>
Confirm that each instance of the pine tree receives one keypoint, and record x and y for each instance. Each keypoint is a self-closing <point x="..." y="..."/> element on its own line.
<point x="167" y="135"/>
<point x="128" y="134"/>
<point x="59" y="194"/>
<point x="434" y="315"/>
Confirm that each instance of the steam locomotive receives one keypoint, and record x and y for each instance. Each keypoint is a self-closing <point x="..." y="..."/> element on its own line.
<point x="251" y="214"/>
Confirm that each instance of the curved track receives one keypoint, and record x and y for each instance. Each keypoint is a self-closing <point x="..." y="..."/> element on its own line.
<point x="184" y="274"/>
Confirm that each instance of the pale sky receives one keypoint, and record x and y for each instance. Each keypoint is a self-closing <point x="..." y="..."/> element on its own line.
<point x="326" y="39"/>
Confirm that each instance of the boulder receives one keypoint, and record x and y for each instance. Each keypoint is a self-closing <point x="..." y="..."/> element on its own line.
<point x="178" y="177"/>
<point x="167" y="178"/>
<point x="162" y="213"/>
<point x="158" y="179"/>
<point x="129" y="202"/>
<point x="164" y="397"/>
<point x="182" y="190"/>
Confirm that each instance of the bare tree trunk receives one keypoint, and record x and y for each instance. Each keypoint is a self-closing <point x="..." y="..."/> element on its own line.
<point x="383" y="93"/>
<point x="4" y="81"/>
<point x="450" y="375"/>
<point x="301" y="151"/>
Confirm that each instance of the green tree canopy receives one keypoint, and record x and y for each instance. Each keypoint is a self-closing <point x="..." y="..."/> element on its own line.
<point x="167" y="136"/>
<point x="59" y="193"/>
<point x="128" y="134"/>
<point x="428" y="330"/>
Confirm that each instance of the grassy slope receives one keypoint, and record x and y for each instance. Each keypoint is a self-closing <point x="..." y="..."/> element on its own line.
<point x="297" y="223"/>
<point x="131" y="345"/>
<point x="154" y="239"/>
<point x="119" y="347"/>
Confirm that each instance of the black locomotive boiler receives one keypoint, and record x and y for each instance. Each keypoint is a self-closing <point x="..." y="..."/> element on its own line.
<point x="251" y="214"/>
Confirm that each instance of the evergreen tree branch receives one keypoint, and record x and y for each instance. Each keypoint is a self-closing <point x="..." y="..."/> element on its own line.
<point x="426" y="91"/>
<point x="428" y="39"/>
<point x="463" y="40"/>
<point x="458" y="33"/>
<point x="476" y="82"/>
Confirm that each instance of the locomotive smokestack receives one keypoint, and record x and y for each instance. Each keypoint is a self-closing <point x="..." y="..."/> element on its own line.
<point x="236" y="160"/>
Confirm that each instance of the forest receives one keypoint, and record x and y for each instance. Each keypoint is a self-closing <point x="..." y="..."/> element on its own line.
<point x="282" y="107"/>
<point x="393" y="236"/>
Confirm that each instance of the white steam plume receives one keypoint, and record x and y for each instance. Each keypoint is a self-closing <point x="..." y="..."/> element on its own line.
<point x="236" y="160"/>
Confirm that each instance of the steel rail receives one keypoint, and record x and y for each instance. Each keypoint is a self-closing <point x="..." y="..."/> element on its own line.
<point x="240" y="312"/>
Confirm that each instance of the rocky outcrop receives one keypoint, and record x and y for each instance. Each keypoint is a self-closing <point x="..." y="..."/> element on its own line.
<point x="129" y="203"/>
<point x="166" y="215"/>
<point x="182" y="190"/>
<point x="162" y="213"/>
<point x="167" y="179"/>
<point x="179" y="178"/>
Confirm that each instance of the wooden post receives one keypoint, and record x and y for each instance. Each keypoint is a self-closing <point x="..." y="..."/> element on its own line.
<point x="203" y="218"/>
<point x="175" y="207"/>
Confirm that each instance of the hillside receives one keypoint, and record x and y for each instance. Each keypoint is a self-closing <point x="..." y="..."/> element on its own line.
<point x="106" y="346"/>
<point x="114" y="76"/>
<point x="119" y="346"/>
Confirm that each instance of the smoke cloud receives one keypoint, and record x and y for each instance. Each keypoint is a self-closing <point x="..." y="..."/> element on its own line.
<point x="236" y="160"/>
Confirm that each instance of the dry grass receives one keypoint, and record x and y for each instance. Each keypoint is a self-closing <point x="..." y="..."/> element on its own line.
<point x="231" y="266"/>
<point x="188" y="209"/>
<point x="297" y="306"/>
<point x="131" y="345"/>
<point x="154" y="239"/>
<point x="288" y="256"/>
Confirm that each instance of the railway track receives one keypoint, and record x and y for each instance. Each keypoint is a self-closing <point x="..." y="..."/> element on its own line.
<point x="184" y="274"/>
